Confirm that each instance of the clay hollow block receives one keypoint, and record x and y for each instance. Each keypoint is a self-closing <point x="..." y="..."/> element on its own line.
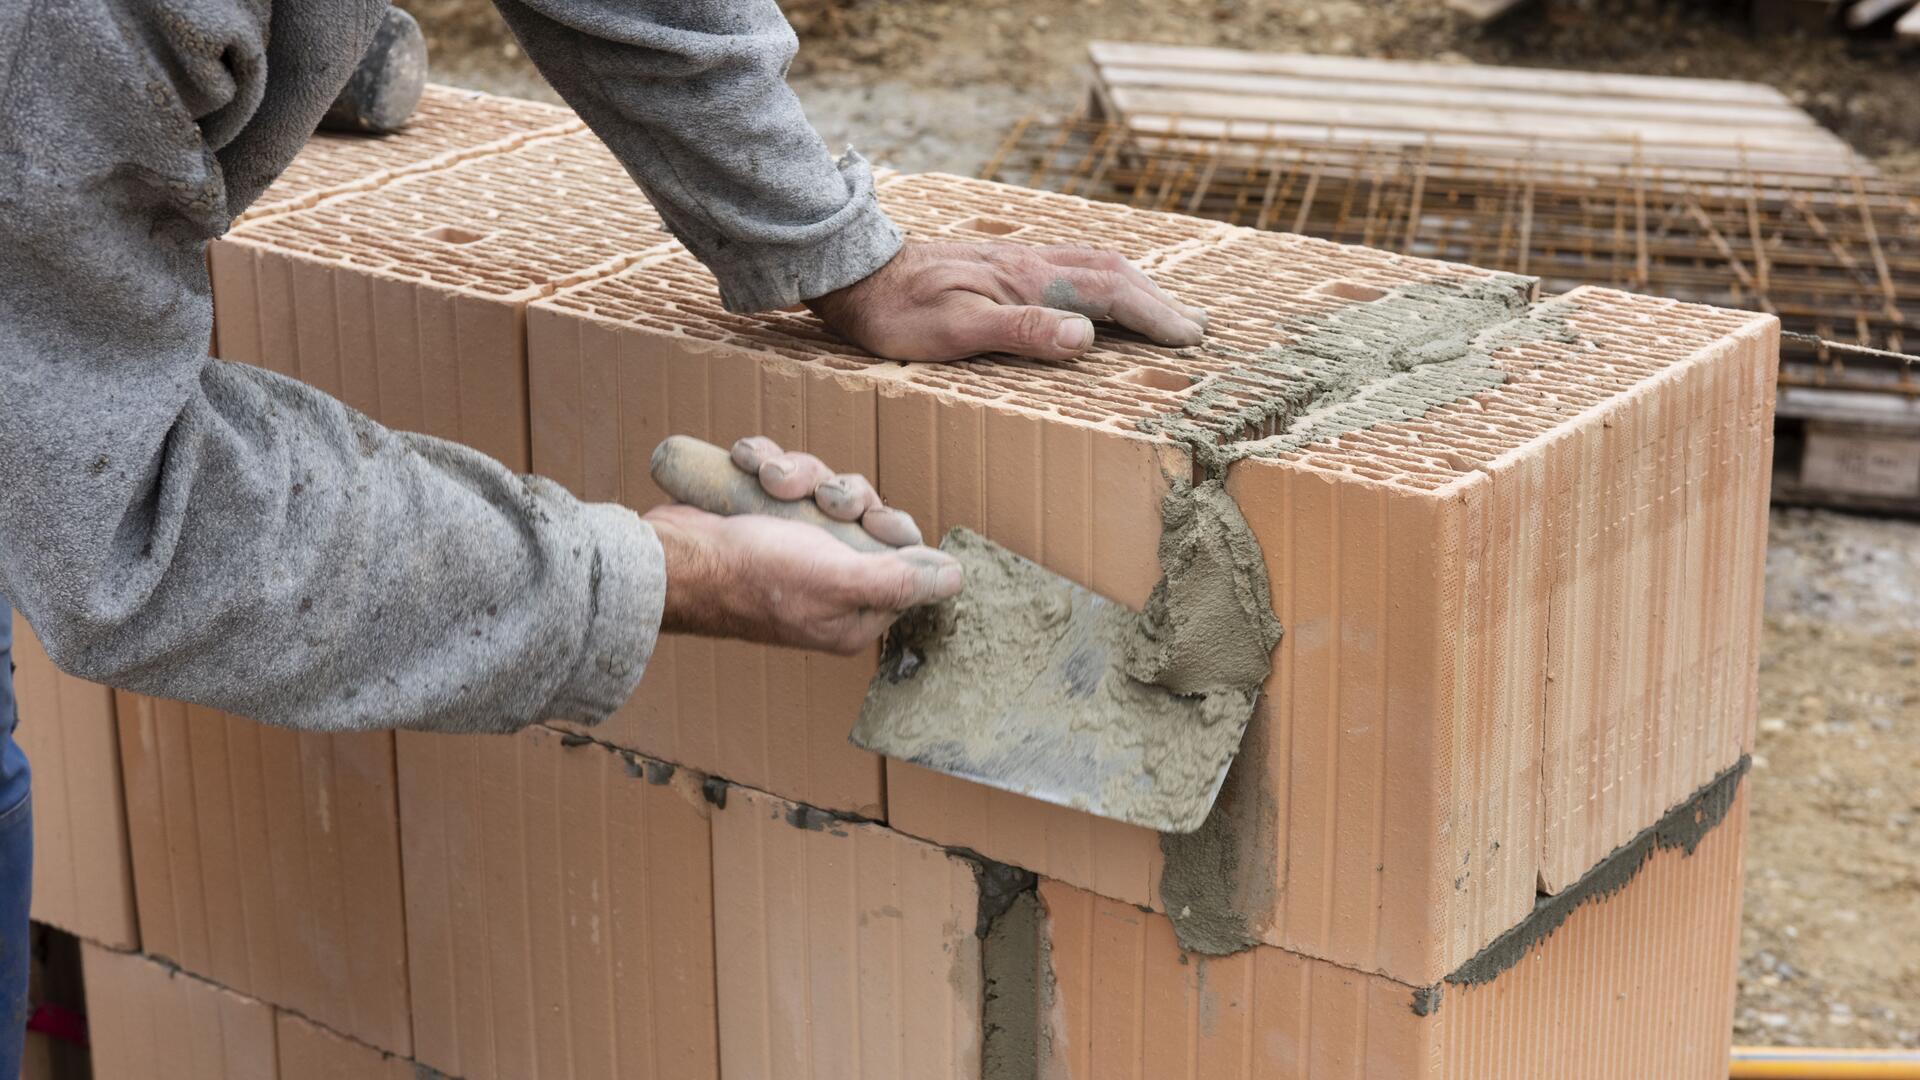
<point x="1515" y="565"/>
<point x="448" y="125"/>
<point x="845" y="950"/>
<point x="307" y="1051"/>
<point x="560" y="907"/>
<point x="82" y="872"/>
<point x="147" y="1021"/>
<point x="1635" y="977"/>
<point x="405" y="301"/>
<point x="268" y="861"/>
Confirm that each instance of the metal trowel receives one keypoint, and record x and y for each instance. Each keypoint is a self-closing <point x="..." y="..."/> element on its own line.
<point x="1019" y="683"/>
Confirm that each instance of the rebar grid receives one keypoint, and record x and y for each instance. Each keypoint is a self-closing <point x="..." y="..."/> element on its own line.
<point x="1837" y="258"/>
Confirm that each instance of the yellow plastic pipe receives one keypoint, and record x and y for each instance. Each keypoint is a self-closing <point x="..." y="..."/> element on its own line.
<point x="1795" y="1063"/>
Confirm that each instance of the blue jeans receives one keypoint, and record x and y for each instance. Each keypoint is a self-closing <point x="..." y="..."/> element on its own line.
<point x="16" y="865"/>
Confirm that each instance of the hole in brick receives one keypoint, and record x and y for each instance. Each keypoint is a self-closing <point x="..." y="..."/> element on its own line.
<point x="989" y="226"/>
<point x="1351" y="290"/>
<point x="1156" y="378"/>
<point x="454" y="234"/>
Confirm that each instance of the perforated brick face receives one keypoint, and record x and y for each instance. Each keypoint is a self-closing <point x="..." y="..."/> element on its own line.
<point x="1262" y="291"/>
<point x="448" y="125"/>
<point x="556" y="210"/>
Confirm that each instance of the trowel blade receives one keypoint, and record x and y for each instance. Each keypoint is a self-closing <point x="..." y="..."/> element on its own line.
<point x="1020" y="684"/>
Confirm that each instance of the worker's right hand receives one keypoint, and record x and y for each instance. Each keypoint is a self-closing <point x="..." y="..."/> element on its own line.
<point x="765" y="579"/>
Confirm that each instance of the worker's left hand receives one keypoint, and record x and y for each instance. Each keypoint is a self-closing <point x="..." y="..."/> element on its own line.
<point x="937" y="301"/>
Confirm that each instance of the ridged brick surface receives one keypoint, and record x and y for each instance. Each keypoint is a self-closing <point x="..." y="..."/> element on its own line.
<point x="449" y="125"/>
<point x="1519" y="626"/>
<point x="82" y="873"/>
<point x="559" y="910"/>
<point x="774" y="719"/>
<point x="309" y="1052"/>
<point x="268" y="861"/>
<point x="1636" y="983"/>
<point x="147" y="1022"/>
<point x="406" y="301"/>
<point x="1418" y="742"/>
<point x="845" y="951"/>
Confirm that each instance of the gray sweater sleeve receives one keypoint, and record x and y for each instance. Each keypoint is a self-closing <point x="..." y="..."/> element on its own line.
<point x="691" y="95"/>
<point x="207" y="531"/>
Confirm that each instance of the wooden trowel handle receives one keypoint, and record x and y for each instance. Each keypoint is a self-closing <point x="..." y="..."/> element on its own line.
<point x="702" y="475"/>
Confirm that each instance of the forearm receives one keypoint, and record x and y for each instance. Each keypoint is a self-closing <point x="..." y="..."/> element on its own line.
<point x="262" y="549"/>
<point x="697" y="108"/>
<point x="215" y="533"/>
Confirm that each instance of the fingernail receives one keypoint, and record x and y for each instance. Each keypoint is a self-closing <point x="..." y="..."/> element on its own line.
<point x="1199" y="317"/>
<point x="778" y="470"/>
<point x="951" y="581"/>
<point x="896" y="522"/>
<point x="1075" y="333"/>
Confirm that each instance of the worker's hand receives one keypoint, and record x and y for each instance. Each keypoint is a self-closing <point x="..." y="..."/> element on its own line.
<point x="766" y="579"/>
<point x="947" y="301"/>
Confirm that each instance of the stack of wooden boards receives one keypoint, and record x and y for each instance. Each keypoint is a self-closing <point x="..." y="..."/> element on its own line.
<point x="1488" y="821"/>
<point x="1706" y="190"/>
<point x="1564" y="116"/>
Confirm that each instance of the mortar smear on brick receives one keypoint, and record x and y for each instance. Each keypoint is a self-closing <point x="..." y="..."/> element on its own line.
<point x="1261" y="289"/>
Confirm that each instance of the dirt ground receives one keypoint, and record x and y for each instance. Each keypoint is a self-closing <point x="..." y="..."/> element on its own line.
<point x="1832" y="936"/>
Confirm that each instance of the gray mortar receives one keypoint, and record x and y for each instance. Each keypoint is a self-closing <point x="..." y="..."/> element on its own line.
<point x="957" y="678"/>
<point x="1216" y="878"/>
<point x="714" y="790"/>
<point x="659" y="773"/>
<point x="998" y="884"/>
<point x="1017" y="989"/>
<point x="1683" y="827"/>
<point x="1393" y="359"/>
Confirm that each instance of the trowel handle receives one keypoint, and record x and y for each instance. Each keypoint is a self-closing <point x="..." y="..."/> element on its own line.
<point x="702" y="475"/>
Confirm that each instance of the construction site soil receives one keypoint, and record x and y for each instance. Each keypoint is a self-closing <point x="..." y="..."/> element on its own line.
<point x="1831" y="952"/>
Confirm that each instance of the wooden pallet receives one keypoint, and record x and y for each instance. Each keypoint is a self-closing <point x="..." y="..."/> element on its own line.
<point x="1847" y="448"/>
<point x="1608" y="119"/>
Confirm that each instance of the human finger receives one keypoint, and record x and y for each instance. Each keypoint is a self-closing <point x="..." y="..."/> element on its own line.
<point x="1105" y="294"/>
<point x="1087" y="258"/>
<point x="978" y="325"/>
<point x="750" y="453"/>
<point x="846" y="496"/>
<point x="896" y="581"/>
<point x="793" y="475"/>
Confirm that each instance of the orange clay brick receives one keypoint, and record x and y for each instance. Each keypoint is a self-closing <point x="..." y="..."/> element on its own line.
<point x="1634" y="982"/>
<point x="846" y="951"/>
<point x="773" y="719"/>
<point x="82" y="873"/>
<point x="1464" y="706"/>
<point x="559" y="910"/>
<point x="268" y="861"/>
<point x="406" y="301"/>
<point x="146" y="1021"/>
<point x="449" y="125"/>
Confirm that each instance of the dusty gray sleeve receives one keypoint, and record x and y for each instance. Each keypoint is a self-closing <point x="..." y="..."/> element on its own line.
<point x="691" y="96"/>
<point x="211" y="532"/>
